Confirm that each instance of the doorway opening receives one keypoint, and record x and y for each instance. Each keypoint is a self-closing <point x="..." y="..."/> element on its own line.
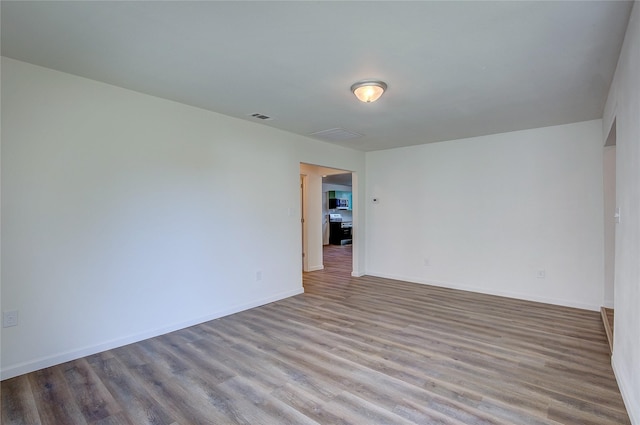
<point x="328" y="217"/>
<point x="337" y="193"/>
<point x="611" y="217"/>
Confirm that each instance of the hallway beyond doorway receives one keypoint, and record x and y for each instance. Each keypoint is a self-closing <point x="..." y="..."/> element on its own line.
<point x="337" y="260"/>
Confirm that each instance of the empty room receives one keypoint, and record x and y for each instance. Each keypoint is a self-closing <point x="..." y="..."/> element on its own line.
<point x="169" y="187"/>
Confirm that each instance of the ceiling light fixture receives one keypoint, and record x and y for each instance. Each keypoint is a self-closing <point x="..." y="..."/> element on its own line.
<point x="368" y="91"/>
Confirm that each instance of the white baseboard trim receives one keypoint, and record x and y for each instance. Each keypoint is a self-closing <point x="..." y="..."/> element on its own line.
<point x="316" y="268"/>
<point x="506" y="294"/>
<point x="357" y="274"/>
<point x="632" y="404"/>
<point x="55" y="359"/>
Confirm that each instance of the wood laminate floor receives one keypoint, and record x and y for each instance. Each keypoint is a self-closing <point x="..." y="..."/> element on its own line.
<point x="337" y="261"/>
<point x="348" y="351"/>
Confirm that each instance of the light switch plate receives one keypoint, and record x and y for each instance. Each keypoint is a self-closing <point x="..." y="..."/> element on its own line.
<point x="9" y="318"/>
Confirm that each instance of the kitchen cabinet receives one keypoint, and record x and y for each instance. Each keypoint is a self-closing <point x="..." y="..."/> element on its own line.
<point x="339" y="194"/>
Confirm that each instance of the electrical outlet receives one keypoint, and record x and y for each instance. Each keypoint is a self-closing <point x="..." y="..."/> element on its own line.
<point x="259" y="275"/>
<point x="541" y="274"/>
<point x="426" y="262"/>
<point x="9" y="318"/>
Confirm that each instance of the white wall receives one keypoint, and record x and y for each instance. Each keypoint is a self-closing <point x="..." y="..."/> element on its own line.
<point x="125" y="216"/>
<point x="313" y="218"/>
<point x="623" y="105"/>
<point x="488" y="212"/>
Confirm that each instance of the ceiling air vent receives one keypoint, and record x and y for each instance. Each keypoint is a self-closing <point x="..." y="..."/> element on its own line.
<point x="335" y="134"/>
<point x="261" y="116"/>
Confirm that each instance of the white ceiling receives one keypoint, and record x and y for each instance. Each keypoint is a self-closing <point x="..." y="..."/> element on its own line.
<point x="454" y="69"/>
<point x="341" y="179"/>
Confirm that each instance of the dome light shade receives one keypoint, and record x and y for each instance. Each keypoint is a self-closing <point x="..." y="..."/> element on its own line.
<point x="368" y="91"/>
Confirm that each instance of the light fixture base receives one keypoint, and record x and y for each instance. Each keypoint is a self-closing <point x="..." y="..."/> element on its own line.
<point x="368" y="91"/>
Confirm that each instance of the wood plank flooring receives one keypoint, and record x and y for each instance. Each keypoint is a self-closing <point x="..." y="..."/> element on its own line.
<point x="348" y="351"/>
<point x="337" y="261"/>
